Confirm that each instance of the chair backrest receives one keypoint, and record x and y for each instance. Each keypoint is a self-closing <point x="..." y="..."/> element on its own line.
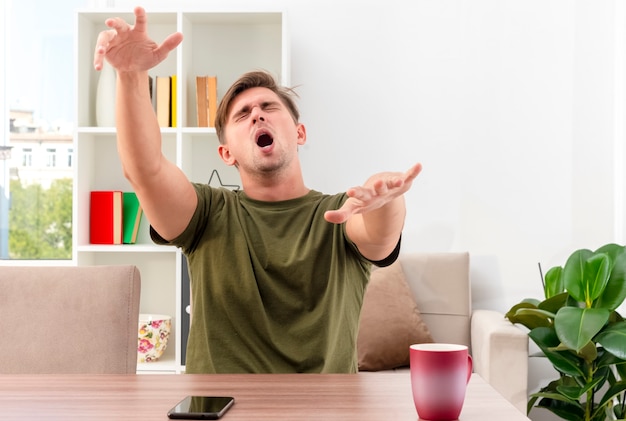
<point x="74" y="319"/>
<point x="440" y="283"/>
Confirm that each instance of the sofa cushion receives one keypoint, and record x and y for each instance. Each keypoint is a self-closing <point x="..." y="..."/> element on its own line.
<point x="390" y="321"/>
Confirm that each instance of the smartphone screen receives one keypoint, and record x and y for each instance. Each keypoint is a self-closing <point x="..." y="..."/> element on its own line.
<point x="201" y="408"/>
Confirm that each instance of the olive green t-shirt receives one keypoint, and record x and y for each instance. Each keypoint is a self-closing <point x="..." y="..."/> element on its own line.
<point x="275" y="288"/>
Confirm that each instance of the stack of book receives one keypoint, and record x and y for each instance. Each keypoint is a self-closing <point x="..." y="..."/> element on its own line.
<point x="114" y="217"/>
<point x="206" y="100"/>
<point x="163" y="94"/>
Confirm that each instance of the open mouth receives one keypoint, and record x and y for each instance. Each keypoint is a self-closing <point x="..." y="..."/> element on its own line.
<point x="264" y="139"/>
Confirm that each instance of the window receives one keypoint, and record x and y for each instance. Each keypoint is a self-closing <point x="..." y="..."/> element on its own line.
<point x="51" y="157"/>
<point x="27" y="157"/>
<point x="37" y="72"/>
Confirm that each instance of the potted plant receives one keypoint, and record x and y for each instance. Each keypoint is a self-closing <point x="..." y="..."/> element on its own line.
<point x="578" y="328"/>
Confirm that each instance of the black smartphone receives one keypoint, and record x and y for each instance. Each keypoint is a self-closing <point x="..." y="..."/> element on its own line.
<point x="201" y="408"/>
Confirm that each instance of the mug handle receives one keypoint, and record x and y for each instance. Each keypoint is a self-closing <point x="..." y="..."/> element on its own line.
<point x="470" y="364"/>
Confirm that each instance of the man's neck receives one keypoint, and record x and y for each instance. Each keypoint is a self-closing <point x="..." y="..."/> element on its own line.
<point x="274" y="189"/>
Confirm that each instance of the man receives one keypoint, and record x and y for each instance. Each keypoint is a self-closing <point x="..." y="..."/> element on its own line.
<point x="278" y="271"/>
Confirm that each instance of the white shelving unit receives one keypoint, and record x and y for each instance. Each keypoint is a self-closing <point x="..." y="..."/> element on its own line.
<point x="225" y="43"/>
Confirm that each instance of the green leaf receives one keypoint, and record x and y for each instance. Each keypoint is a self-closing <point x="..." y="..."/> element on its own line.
<point x="554" y="282"/>
<point x="611" y="249"/>
<point x="613" y="391"/>
<point x="571" y="392"/>
<point x="607" y="359"/>
<point x="600" y="377"/>
<point x="550" y="398"/>
<point x="531" y="403"/>
<point x="516" y="307"/>
<point x="586" y="275"/>
<point x="575" y="392"/>
<point x="597" y="273"/>
<point x="565" y="362"/>
<point x="613" y="339"/>
<point x="575" y="327"/>
<point x="615" y="317"/>
<point x="553" y="304"/>
<point x="574" y="273"/>
<point x="532" y="318"/>
<point x="533" y="301"/>
<point x="527" y="314"/>
<point x="619" y="413"/>
<point x="563" y="407"/>
<point x="556" y="396"/>
<point x="621" y="369"/>
<point x="615" y="292"/>
<point x="589" y="352"/>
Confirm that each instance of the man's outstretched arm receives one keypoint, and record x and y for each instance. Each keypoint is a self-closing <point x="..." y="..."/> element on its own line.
<point x="374" y="213"/>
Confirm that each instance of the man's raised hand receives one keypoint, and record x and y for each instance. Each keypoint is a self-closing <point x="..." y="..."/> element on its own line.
<point x="128" y="47"/>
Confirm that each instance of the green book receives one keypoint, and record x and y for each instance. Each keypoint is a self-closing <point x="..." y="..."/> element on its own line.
<point x="132" y="213"/>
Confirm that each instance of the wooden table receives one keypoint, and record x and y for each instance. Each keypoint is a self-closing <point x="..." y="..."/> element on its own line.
<point x="362" y="397"/>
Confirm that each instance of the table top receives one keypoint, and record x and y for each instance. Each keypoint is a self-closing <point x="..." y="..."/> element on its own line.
<point x="364" y="396"/>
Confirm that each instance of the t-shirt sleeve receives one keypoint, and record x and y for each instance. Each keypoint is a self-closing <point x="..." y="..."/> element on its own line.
<point x="389" y="260"/>
<point x="186" y="240"/>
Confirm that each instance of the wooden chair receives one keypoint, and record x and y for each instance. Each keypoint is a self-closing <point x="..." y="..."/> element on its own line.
<point x="74" y="319"/>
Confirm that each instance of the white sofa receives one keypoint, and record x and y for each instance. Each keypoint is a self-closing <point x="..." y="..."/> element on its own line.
<point x="440" y="287"/>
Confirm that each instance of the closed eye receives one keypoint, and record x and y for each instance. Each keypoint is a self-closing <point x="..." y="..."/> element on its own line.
<point x="268" y="106"/>
<point x="241" y="116"/>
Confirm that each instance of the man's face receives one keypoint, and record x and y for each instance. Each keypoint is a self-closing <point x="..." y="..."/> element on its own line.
<point x="260" y="133"/>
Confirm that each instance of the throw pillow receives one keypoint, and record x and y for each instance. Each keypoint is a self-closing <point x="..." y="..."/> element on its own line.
<point x="390" y="321"/>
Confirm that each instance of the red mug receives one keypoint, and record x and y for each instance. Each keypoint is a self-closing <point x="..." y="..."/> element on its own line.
<point x="439" y="377"/>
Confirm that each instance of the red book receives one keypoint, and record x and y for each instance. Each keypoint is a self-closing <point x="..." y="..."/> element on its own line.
<point x="106" y="216"/>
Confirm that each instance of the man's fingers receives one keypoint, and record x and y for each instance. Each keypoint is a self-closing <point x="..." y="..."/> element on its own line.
<point x="141" y="20"/>
<point x="338" y="216"/>
<point x="105" y="38"/>
<point x="172" y="41"/>
<point x="102" y="43"/>
<point x="413" y="172"/>
<point x="382" y="187"/>
<point x="363" y="199"/>
<point x="118" y="24"/>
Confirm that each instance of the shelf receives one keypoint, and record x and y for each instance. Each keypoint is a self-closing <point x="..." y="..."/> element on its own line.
<point x="163" y="364"/>
<point x="200" y="130"/>
<point x="96" y="130"/>
<point x="224" y="43"/>
<point x="126" y="248"/>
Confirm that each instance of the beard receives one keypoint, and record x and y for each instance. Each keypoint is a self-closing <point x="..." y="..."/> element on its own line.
<point x="266" y="167"/>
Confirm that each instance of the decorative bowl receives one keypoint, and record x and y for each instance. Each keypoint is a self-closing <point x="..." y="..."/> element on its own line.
<point x="154" y="331"/>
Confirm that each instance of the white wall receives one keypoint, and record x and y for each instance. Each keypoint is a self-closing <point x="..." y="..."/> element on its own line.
<point x="507" y="104"/>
